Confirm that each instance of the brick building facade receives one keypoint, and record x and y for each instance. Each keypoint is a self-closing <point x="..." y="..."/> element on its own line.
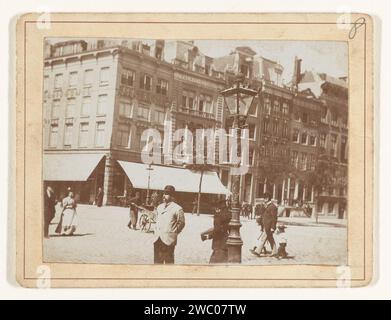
<point x="100" y="96"/>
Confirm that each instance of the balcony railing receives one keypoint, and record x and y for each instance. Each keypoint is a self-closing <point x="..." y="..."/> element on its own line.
<point x="197" y="113"/>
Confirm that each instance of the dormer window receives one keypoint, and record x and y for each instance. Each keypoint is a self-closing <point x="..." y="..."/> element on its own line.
<point x="245" y="70"/>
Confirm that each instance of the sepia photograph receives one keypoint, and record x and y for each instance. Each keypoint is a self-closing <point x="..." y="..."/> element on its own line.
<point x="195" y="152"/>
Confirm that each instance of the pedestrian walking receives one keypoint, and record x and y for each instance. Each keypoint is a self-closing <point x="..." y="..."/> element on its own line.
<point x="269" y="223"/>
<point x="49" y="210"/>
<point x="170" y="221"/>
<point x="258" y="210"/>
<point x="219" y="233"/>
<point x="68" y="221"/>
<point x="135" y="202"/>
<point x="99" y="197"/>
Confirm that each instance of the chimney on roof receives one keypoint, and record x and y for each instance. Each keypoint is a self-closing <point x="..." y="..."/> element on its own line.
<point x="345" y="78"/>
<point x="296" y="73"/>
<point x="159" y="49"/>
<point x="146" y="49"/>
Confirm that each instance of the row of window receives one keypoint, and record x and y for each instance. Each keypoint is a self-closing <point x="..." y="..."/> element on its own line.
<point x="128" y="78"/>
<point x="274" y="151"/>
<point x="303" y="161"/>
<point x="330" y="117"/>
<point x="273" y="127"/>
<point x="124" y="137"/>
<point x="82" y="137"/>
<point x="73" y="79"/>
<point x="303" y="138"/>
<point x="275" y="107"/>
<point x="269" y="127"/>
<point x="86" y="107"/>
<point x="301" y="117"/>
<point x="192" y="101"/>
<point x="126" y="110"/>
<point x="333" y="140"/>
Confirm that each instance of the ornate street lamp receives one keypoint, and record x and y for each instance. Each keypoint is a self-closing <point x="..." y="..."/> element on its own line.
<point x="239" y="100"/>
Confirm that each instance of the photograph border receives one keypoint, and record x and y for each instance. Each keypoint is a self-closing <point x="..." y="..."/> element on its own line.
<point x="25" y="265"/>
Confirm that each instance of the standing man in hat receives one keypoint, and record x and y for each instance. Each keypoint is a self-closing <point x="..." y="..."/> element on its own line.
<point x="269" y="222"/>
<point x="219" y="233"/>
<point x="170" y="221"/>
<point x="49" y="210"/>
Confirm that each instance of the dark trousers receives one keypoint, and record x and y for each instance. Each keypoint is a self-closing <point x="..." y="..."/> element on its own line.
<point x="267" y="235"/>
<point x="163" y="254"/>
<point x="270" y="239"/>
<point x="46" y="222"/>
<point x="133" y="218"/>
<point x="219" y="256"/>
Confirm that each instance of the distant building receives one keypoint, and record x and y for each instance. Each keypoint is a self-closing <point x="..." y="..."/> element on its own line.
<point x="333" y="140"/>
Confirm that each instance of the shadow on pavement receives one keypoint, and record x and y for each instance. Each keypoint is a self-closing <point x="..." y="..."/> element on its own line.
<point x="74" y="235"/>
<point x="312" y="224"/>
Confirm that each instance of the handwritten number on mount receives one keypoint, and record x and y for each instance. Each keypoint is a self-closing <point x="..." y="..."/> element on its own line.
<point x="356" y="25"/>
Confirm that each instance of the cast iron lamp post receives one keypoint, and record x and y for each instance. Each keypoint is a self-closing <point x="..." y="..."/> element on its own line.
<point x="238" y="99"/>
<point x="149" y="168"/>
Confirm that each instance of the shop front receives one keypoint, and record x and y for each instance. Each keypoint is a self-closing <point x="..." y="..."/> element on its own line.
<point x="148" y="179"/>
<point x="81" y="173"/>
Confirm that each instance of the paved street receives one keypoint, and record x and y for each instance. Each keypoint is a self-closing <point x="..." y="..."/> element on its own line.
<point x="103" y="237"/>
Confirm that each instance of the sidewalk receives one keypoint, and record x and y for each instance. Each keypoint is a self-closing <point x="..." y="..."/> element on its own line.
<point x="102" y="236"/>
<point x="310" y="222"/>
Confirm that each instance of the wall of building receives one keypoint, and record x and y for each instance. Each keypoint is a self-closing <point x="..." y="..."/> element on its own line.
<point x="71" y="103"/>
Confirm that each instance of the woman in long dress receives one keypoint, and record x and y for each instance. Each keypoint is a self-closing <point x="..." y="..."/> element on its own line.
<point x="68" y="220"/>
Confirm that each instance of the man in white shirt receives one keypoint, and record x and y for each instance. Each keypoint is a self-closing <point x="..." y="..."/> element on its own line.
<point x="170" y="221"/>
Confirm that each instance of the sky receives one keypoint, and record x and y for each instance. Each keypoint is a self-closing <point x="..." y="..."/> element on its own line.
<point x="330" y="57"/>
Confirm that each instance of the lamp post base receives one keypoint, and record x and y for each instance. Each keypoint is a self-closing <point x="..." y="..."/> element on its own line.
<point x="234" y="242"/>
<point x="235" y="252"/>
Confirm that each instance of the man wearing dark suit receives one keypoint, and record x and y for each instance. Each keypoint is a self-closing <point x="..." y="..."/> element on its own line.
<point x="219" y="233"/>
<point x="49" y="210"/>
<point x="269" y="224"/>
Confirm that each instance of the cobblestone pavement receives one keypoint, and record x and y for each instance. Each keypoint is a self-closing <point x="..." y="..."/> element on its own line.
<point x="102" y="236"/>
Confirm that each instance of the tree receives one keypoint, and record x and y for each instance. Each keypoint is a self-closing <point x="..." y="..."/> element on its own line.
<point x="200" y="168"/>
<point x="325" y="175"/>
